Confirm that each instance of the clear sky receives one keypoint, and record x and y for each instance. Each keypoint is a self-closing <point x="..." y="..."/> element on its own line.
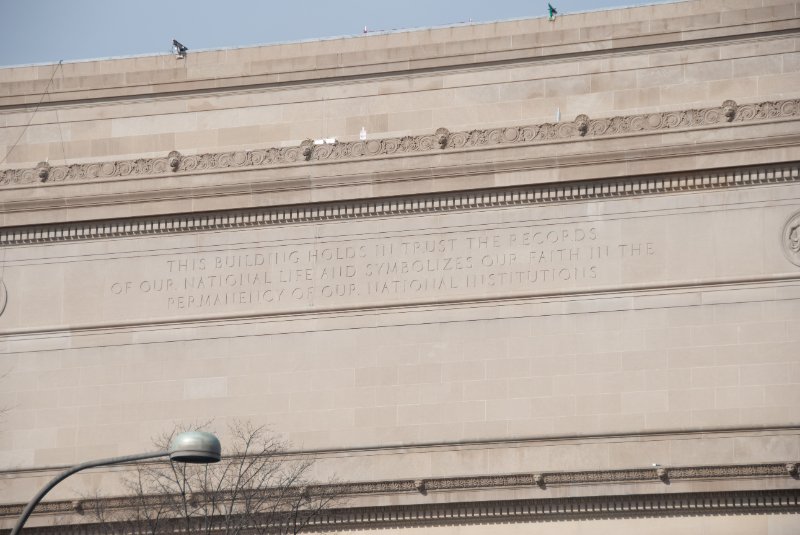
<point x="46" y="31"/>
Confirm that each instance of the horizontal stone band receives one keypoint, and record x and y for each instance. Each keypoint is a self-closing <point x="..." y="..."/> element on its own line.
<point x="382" y="207"/>
<point x="442" y="139"/>
<point x="542" y="480"/>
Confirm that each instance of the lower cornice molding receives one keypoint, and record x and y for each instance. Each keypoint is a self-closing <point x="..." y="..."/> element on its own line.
<point x="539" y="194"/>
<point x="786" y="501"/>
<point x="557" y="479"/>
<point x="544" y="480"/>
<point x="550" y="509"/>
<point x="554" y="509"/>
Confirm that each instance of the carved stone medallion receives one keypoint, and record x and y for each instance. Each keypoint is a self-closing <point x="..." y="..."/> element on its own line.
<point x="791" y="239"/>
<point x="3" y="297"/>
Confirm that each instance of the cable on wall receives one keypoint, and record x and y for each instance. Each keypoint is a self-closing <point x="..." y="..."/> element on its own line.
<point x="58" y="121"/>
<point x="25" y="129"/>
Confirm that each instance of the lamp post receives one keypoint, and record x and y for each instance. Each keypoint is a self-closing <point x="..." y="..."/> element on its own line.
<point x="188" y="447"/>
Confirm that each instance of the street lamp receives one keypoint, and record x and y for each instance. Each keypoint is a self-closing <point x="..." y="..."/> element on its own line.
<point x="188" y="447"/>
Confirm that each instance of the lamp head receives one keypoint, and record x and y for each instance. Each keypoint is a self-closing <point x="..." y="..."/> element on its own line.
<point x="195" y="447"/>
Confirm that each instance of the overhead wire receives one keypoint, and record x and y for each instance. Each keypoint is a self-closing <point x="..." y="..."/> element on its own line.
<point x="58" y="121"/>
<point x="8" y="153"/>
<point x="36" y="109"/>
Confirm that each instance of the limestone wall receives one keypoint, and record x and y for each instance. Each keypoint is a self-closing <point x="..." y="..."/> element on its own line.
<point x="566" y="249"/>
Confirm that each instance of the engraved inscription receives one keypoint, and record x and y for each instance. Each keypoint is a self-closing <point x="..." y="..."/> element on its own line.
<point x="387" y="270"/>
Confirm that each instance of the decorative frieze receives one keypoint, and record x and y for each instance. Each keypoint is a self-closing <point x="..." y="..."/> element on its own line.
<point x="442" y="139"/>
<point x="436" y="202"/>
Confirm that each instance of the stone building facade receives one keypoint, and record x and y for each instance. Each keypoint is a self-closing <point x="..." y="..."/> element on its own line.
<point x="554" y="286"/>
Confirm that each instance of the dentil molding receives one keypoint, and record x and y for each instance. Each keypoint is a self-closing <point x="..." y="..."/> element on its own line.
<point x="415" y="204"/>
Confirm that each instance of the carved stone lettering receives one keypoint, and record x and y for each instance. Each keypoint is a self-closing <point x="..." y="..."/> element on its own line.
<point x="376" y="271"/>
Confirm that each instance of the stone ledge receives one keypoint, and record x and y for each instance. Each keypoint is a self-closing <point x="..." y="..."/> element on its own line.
<point x="543" y="481"/>
<point x="527" y="511"/>
<point x="533" y="511"/>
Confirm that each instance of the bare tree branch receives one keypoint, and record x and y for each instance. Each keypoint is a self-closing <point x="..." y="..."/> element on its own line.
<point x="257" y="488"/>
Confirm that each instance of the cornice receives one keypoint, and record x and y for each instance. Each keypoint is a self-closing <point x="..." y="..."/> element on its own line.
<point x="531" y="511"/>
<point x="414" y="204"/>
<point x="543" y="481"/>
<point x="553" y="509"/>
<point x="559" y="509"/>
<point x="455" y="48"/>
<point x="442" y="139"/>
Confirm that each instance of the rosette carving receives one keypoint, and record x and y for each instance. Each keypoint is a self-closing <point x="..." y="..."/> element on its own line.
<point x="789" y="108"/>
<point x="228" y="159"/>
<point x="421" y="143"/>
<point x="294" y="154"/>
<point x="457" y="140"/>
<point x="527" y="133"/>
<point x="599" y="127"/>
<point x="390" y="145"/>
<point x="547" y="131"/>
<point x="409" y="144"/>
<point x="767" y="110"/>
<point x="123" y="168"/>
<point x="160" y="166"/>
